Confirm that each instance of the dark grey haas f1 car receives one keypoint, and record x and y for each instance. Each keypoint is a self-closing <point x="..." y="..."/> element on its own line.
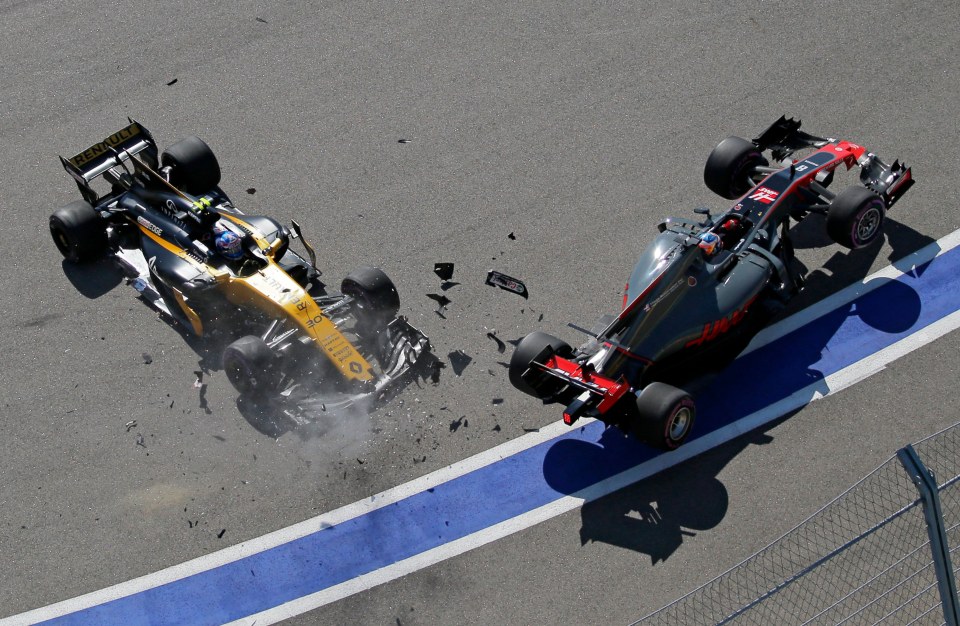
<point x="702" y="290"/>
<point x="194" y="256"/>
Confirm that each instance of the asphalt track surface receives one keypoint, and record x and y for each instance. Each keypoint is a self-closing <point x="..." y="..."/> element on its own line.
<point x="576" y="128"/>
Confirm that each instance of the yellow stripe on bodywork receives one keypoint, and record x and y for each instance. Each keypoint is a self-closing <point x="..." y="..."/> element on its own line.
<point x="273" y="291"/>
<point x="192" y="316"/>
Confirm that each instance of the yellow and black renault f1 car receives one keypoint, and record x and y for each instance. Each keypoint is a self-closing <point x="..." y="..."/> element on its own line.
<point x="198" y="259"/>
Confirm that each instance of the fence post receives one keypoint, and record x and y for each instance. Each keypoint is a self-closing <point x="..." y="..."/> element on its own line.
<point x="930" y="497"/>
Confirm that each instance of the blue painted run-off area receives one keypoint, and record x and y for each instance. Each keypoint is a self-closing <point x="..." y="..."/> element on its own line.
<point x="522" y="482"/>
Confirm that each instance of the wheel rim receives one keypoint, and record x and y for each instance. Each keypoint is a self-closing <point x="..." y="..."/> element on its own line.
<point x="680" y="423"/>
<point x="868" y="224"/>
<point x="60" y="238"/>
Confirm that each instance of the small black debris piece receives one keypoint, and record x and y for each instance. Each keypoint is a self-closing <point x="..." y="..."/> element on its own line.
<point x="508" y="283"/>
<point x="531" y="430"/>
<point x="203" y="399"/>
<point x="457" y="423"/>
<point x="540" y="319"/>
<point x="443" y="270"/>
<point x="459" y="360"/>
<point x="496" y="428"/>
<point x="403" y="140"/>
<point x="172" y="82"/>
<point x="262" y="21"/>
<point x="435" y="375"/>
<point x="360" y="461"/>
<point x="220" y="534"/>
<point x="501" y="347"/>
<point x="147" y="359"/>
<point x="447" y="284"/>
<point x="497" y="401"/>
<point x="512" y="237"/>
<point x="251" y="190"/>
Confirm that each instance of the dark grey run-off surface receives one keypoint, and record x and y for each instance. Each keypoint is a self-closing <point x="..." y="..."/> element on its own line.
<point x="574" y="127"/>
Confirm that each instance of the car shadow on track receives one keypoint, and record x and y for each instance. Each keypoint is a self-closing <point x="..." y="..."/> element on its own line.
<point x="653" y="515"/>
<point x="846" y="266"/>
<point x="95" y="279"/>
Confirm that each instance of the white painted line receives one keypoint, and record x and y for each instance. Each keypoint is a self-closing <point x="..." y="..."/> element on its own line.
<point x="830" y="385"/>
<point x="291" y="533"/>
<point x="906" y="265"/>
<point x="844" y="378"/>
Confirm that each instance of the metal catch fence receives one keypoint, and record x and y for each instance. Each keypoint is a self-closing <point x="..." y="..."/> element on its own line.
<point x="880" y="553"/>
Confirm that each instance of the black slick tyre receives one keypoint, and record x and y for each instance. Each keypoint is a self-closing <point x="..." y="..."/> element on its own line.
<point x="194" y="167"/>
<point x="537" y="347"/>
<point x="665" y="416"/>
<point x="250" y="366"/>
<point x="855" y="217"/>
<point x="728" y="168"/>
<point x="79" y="232"/>
<point x="375" y="298"/>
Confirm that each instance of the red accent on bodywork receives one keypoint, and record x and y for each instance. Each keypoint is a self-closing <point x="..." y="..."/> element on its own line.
<point x="610" y="390"/>
<point x="853" y="151"/>
<point x="712" y="330"/>
<point x="629" y="354"/>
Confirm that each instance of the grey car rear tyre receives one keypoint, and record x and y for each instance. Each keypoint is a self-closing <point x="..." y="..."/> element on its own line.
<point x="537" y="347"/>
<point x="665" y="416"/>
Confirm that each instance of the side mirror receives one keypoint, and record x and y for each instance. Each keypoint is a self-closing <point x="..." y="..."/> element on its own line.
<point x="298" y="234"/>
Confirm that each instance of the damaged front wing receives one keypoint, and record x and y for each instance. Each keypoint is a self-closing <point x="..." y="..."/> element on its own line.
<point x="401" y="347"/>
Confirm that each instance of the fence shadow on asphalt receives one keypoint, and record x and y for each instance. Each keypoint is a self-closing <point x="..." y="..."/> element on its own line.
<point x="653" y="515"/>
